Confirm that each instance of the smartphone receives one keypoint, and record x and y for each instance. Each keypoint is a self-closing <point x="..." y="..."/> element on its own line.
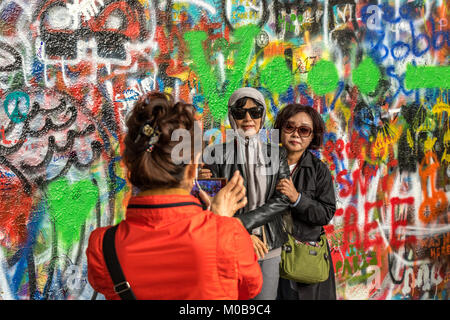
<point x="210" y="186"/>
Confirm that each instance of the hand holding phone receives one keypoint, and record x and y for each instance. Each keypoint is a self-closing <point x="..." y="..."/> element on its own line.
<point x="206" y="189"/>
<point x="211" y="186"/>
<point x="230" y="198"/>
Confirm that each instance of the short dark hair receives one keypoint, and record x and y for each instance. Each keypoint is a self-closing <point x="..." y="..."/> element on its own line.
<point x="155" y="169"/>
<point x="318" y="125"/>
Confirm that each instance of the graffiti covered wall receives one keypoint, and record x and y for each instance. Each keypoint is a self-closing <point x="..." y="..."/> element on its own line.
<point x="377" y="71"/>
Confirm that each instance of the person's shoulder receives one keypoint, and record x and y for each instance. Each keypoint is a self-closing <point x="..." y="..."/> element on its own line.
<point x="318" y="163"/>
<point x="96" y="236"/>
<point x="94" y="249"/>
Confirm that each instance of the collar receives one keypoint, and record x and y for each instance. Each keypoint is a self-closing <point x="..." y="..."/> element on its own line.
<point x="306" y="160"/>
<point x="162" y="191"/>
<point x="162" y="209"/>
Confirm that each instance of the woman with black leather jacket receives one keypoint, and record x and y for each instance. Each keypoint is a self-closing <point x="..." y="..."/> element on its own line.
<point x="248" y="154"/>
<point x="311" y="191"/>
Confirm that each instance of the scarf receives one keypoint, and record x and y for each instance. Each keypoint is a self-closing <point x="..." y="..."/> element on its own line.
<point x="250" y="154"/>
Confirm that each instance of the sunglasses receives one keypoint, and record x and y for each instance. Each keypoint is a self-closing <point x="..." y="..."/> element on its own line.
<point x="303" y="131"/>
<point x="239" y="113"/>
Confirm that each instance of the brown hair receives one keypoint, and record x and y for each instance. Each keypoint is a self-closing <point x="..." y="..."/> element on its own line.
<point x="155" y="169"/>
<point x="318" y="124"/>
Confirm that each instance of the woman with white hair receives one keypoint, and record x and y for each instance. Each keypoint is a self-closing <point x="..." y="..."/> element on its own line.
<point x="250" y="155"/>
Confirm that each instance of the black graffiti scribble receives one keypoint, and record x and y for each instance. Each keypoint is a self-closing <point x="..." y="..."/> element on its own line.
<point x="164" y="15"/>
<point x="301" y="7"/>
<point x="62" y="43"/>
<point x="26" y="184"/>
<point x="407" y="155"/>
<point x="392" y="261"/>
<point x="53" y="147"/>
<point x="332" y="18"/>
<point x="411" y="144"/>
<point x="343" y="37"/>
<point x="6" y="53"/>
<point x="25" y="170"/>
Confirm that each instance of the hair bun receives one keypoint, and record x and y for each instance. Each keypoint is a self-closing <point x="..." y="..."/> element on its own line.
<point x="153" y="113"/>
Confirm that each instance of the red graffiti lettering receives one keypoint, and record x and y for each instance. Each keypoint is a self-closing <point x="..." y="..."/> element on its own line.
<point x="351" y="226"/>
<point x="395" y="242"/>
<point x="372" y="225"/>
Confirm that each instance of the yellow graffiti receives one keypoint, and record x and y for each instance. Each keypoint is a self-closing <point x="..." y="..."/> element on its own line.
<point x="440" y="107"/>
<point x="427" y="126"/>
<point x="270" y="115"/>
<point x="245" y="15"/>
<point x="344" y="110"/>
<point x="429" y="144"/>
<point x="251" y="65"/>
<point x="409" y="139"/>
<point x="446" y="154"/>
<point x="386" y="137"/>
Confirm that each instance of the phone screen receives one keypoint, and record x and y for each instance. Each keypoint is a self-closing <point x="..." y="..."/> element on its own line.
<point x="210" y="186"/>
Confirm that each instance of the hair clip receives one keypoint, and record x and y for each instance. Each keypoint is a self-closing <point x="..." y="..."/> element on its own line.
<point x="147" y="130"/>
<point x="154" y="139"/>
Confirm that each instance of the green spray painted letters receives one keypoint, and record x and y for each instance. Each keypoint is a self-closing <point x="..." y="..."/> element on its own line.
<point x="244" y="37"/>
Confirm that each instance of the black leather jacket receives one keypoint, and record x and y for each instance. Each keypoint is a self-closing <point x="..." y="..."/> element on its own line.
<point x="269" y="214"/>
<point x="318" y="201"/>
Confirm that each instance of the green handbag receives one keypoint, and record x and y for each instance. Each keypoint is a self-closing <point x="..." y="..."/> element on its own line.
<point x="303" y="262"/>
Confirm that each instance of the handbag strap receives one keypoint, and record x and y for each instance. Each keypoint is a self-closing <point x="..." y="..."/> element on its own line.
<point x="121" y="285"/>
<point x="322" y="233"/>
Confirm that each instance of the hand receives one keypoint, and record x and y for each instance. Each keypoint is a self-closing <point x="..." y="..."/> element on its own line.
<point x="286" y="187"/>
<point x="204" y="173"/>
<point x="259" y="246"/>
<point x="230" y="198"/>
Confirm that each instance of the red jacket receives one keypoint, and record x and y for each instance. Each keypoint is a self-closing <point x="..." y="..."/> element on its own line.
<point x="178" y="252"/>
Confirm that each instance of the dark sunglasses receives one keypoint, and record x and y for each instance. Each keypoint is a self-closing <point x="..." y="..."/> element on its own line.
<point x="303" y="131"/>
<point x="239" y="113"/>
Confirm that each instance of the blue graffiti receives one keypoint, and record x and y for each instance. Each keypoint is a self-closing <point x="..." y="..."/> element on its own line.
<point x="390" y="71"/>
<point x="341" y="86"/>
<point x="15" y="98"/>
<point x="302" y="89"/>
<point x="130" y="95"/>
<point x="374" y="17"/>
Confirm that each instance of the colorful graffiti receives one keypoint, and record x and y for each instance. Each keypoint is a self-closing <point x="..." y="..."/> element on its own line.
<point x="377" y="71"/>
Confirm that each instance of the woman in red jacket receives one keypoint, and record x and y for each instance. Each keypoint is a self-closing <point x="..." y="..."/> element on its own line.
<point x="168" y="246"/>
